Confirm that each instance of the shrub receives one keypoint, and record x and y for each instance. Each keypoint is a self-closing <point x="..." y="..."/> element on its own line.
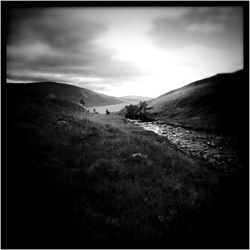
<point x="82" y="102"/>
<point x="131" y="111"/>
<point x="139" y="111"/>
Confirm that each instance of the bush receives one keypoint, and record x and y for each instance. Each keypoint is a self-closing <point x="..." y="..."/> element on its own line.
<point x="131" y="111"/>
<point x="139" y="111"/>
<point x="82" y="102"/>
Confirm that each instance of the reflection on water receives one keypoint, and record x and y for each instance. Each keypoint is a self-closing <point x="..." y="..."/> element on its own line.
<point x="111" y="108"/>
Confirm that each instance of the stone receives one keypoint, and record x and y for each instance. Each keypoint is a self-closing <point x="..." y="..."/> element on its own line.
<point x="51" y="96"/>
<point x="62" y="123"/>
<point x="139" y="155"/>
<point x="161" y="218"/>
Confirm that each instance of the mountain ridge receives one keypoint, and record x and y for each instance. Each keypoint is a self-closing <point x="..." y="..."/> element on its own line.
<point x="198" y="82"/>
<point x="135" y="97"/>
<point x="214" y="103"/>
<point x="65" y="92"/>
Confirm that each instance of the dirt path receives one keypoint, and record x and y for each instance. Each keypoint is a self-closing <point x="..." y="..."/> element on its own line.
<point x="215" y="149"/>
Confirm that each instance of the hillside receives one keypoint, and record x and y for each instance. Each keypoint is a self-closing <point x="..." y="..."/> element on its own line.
<point x="65" y="92"/>
<point x="217" y="103"/>
<point x="86" y="179"/>
<point x="135" y="98"/>
<point x="73" y="179"/>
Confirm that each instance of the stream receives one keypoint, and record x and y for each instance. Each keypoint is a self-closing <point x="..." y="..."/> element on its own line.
<point x="215" y="149"/>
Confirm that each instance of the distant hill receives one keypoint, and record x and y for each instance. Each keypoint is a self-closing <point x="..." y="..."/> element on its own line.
<point x="216" y="103"/>
<point x="65" y="92"/>
<point x="136" y="98"/>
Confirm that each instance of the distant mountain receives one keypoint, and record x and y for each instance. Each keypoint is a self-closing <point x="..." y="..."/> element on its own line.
<point x="65" y="92"/>
<point x="216" y="103"/>
<point x="136" y="98"/>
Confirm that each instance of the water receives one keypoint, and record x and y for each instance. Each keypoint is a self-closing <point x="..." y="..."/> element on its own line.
<point x="111" y="108"/>
<point x="151" y="126"/>
<point x="215" y="149"/>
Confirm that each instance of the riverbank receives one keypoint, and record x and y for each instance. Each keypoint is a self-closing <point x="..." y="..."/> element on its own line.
<point x="218" y="151"/>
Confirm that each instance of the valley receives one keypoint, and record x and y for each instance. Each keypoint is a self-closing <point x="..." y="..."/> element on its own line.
<point x="112" y="108"/>
<point x="125" y="126"/>
<point x="98" y="180"/>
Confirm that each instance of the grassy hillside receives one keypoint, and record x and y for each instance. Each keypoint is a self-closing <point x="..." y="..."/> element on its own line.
<point x="135" y="98"/>
<point x="216" y="103"/>
<point x="71" y="179"/>
<point x="65" y="92"/>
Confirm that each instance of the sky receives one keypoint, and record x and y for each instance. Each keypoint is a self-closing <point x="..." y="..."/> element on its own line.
<point x="123" y="51"/>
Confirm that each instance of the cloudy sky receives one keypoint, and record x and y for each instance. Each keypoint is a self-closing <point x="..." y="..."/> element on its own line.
<point x="124" y="51"/>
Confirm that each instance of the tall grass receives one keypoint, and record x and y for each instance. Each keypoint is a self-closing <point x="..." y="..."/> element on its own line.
<point x="110" y="181"/>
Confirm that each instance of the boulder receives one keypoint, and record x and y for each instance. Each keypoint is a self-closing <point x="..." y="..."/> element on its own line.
<point x="139" y="155"/>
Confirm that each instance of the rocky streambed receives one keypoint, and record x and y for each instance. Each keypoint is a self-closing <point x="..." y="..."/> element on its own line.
<point x="218" y="151"/>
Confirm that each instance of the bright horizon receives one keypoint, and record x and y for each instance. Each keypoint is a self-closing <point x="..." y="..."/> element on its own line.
<point x="124" y="51"/>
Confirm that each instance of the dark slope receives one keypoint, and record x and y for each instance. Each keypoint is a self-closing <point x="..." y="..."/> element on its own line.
<point x="217" y="103"/>
<point x="65" y="92"/>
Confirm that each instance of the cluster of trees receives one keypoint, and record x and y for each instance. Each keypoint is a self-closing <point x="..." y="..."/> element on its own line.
<point x="139" y="111"/>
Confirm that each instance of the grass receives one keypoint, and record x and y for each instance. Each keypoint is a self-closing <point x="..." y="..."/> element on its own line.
<point x="211" y="104"/>
<point x="76" y="182"/>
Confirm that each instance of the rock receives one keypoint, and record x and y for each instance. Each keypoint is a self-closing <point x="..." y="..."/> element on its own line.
<point x="62" y="123"/>
<point x="212" y="160"/>
<point x="139" y="155"/>
<point x="51" y="96"/>
<point x="64" y="143"/>
<point x="161" y="218"/>
<point x="113" y="221"/>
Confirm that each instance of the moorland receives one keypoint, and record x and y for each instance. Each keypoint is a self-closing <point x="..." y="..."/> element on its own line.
<point x="77" y="179"/>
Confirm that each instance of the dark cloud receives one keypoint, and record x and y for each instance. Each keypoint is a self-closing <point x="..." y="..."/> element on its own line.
<point x="54" y="28"/>
<point x="47" y="41"/>
<point x="209" y="26"/>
